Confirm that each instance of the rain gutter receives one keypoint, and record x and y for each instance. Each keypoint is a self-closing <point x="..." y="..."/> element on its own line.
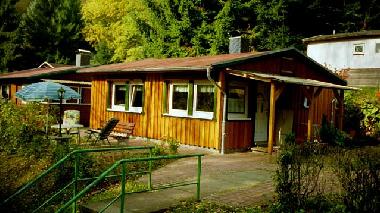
<point x="209" y="69"/>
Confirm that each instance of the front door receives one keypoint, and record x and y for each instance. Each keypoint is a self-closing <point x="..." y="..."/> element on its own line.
<point x="261" y="116"/>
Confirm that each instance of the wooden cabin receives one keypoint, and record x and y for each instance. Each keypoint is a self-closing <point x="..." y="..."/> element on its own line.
<point x="64" y="74"/>
<point x="223" y="102"/>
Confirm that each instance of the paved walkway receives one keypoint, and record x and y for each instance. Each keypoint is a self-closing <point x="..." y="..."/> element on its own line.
<point x="239" y="179"/>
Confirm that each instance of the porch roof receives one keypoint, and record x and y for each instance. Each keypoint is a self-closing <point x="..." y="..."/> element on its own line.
<point x="286" y="79"/>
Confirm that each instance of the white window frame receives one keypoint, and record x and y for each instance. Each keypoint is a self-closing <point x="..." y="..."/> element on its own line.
<point x="201" y="114"/>
<point x="178" y="112"/>
<point x="239" y="116"/>
<point x="356" y="45"/>
<point x="131" y="108"/>
<point x="120" y="107"/>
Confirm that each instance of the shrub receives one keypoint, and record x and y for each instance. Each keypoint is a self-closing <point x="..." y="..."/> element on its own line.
<point x="167" y="145"/>
<point x="298" y="174"/>
<point x="312" y="178"/>
<point x="362" y="112"/>
<point x="329" y="134"/>
<point x="22" y="128"/>
<point x="358" y="172"/>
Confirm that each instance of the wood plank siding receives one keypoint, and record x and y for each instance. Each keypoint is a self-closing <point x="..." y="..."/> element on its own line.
<point x="152" y="123"/>
<point x="322" y="106"/>
<point x="239" y="135"/>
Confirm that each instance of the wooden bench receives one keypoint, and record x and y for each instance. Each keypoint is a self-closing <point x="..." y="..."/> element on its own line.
<point x="122" y="131"/>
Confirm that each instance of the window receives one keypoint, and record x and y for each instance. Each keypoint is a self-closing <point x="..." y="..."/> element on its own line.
<point x="5" y="91"/>
<point x="203" y="101"/>
<point x="178" y="99"/>
<point x="73" y="101"/>
<point x="359" y="49"/>
<point x="377" y="48"/>
<point x="237" y="102"/>
<point x="136" y="97"/>
<point x="189" y="99"/>
<point x="70" y="101"/>
<point x="127" y="96"/>
<point x="86" y="95"/>
<point x="118" y="96"/>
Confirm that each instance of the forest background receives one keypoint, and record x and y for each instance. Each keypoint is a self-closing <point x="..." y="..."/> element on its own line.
<point x="34" y="31"/>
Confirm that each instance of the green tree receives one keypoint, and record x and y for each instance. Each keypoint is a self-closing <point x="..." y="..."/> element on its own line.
<point x="50" y="30"/>
<point x="8" y="26"/>
<point x="108" y="28"/>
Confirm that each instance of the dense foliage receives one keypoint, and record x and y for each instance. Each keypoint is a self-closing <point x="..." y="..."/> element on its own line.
<point x="362" y="112"/>
<point x="36" y="30"/>
<point x="22" y="128"/>
<point x="314" y="178"/>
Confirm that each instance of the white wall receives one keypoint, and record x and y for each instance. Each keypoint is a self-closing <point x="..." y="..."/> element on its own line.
<point x="339" y="55"/>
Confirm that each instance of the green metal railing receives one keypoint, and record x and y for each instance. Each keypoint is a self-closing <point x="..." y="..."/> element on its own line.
<point x="124" y="174"/>
<point x="74" y="183"/>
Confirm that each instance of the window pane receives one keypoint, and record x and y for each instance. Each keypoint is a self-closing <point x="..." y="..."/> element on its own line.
<point x="236" y="100"/>
<point x="136" y="95"/>
<point x="205" y="98"/>
<point x="119" y="95"/>
<point x="73" y="101"/>
<point x="359" y="48"/>
<point x="5" y="91"/>
<point x="86" y="95"/>
<point x="180" y="93"/>
<point x="377" y="50"/>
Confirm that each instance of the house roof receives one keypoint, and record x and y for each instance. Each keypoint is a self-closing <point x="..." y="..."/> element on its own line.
<point x="38" y="72"/>
<point x="199" y="63"/>
<point x="342" y="36"/>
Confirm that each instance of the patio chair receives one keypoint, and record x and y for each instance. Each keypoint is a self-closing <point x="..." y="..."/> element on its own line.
<point x="104" y="132"/>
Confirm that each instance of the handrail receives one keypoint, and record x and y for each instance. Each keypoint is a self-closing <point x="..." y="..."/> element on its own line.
<point x="64" y="159"/>
<point x="122" y="162"/>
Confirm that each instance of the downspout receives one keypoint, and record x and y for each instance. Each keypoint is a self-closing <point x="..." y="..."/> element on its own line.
<point x="224" y="108"/>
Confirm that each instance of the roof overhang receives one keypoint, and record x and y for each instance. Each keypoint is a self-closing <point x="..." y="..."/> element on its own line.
<point x="69" y="82"/>
<point x="286" y="79"/>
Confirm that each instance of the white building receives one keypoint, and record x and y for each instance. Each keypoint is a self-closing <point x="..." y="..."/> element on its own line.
<point x="355" y="55"/>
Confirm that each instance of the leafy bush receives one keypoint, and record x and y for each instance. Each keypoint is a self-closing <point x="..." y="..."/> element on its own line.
<point x="358" y="172"/>
<point x="362" y="112"/>
<point x="329" y="134"/>
<point x="167" y="145"/>
<point x="313" y="178"/>
<point x="22" y="128"/>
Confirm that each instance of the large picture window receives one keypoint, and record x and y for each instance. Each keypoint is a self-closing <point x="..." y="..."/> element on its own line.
<point x="237" y="102"/>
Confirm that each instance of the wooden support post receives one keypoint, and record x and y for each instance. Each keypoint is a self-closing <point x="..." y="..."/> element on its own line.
<point x="310" y="93"/>
<point x="274" y="95"/>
